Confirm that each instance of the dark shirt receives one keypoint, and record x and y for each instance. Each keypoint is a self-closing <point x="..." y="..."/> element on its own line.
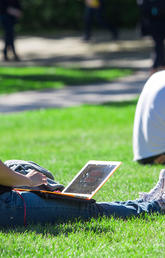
<point x="4" y="4"/>
<point x="152" y="16"/>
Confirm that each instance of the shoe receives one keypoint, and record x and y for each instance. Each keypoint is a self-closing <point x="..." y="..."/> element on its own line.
<point x="158" y="191"/>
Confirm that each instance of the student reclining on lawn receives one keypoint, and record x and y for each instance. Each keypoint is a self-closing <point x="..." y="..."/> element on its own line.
<point x="149" y="122"/>
<point x="20" y="208"/>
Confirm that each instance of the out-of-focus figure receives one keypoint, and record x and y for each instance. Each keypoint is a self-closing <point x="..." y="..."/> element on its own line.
<point x="96" y="8"/>
<point x="10" y="12"/>
<point x="153" y="24"/>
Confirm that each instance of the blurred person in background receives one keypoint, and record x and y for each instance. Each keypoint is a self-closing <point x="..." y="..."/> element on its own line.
<point x="10" y="12"/>
<point x="96" y="8"/>
<point x="153" y="24"/>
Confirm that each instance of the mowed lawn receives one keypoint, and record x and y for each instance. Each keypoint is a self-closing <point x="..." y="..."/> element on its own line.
<point x="63" y="140"/>
<point x="14" y="79"/>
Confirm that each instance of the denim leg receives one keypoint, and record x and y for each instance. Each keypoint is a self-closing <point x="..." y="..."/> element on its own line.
<point x="11" y="209"/>
<point x="129" y="208"/>
<point x="39" y="210"/>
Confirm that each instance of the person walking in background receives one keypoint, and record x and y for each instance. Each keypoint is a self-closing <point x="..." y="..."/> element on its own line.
<point x="153" y="24"/>
<point x="96" y="8"/>
<point x="149" y="122"/>
<point x="10" y="12"/>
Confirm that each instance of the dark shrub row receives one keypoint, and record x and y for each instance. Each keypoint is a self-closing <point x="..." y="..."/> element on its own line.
<point x="68" y="14"/>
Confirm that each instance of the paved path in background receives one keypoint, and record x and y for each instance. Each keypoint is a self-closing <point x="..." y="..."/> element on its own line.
<point x="70" y="51"/>
<point x="122" y="90"/>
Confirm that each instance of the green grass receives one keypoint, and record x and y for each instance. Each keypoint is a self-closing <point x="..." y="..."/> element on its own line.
<point x="63" y="140"/>
<point x="14" y="79"/>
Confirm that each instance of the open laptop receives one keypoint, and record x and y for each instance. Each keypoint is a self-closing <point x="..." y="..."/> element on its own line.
<point x="90" y="179"/>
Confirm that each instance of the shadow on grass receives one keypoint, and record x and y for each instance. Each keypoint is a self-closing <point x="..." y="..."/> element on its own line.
<point x="12" y="81"/>
<point x="63" y="228"/>
<point x="99" y="226"/>
<point x="121" y="103"/>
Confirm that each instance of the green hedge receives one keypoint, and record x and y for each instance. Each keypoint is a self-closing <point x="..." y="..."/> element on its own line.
<point x="68" y="14"/>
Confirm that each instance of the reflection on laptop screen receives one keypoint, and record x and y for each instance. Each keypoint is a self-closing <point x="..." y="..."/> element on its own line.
<point x="90" y="178"/>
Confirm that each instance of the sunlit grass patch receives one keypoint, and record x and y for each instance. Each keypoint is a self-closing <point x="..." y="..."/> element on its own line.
<point x="14" y="79"/>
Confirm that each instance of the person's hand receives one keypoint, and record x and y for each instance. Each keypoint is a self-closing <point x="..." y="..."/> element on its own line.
<point x="36" y="178"/>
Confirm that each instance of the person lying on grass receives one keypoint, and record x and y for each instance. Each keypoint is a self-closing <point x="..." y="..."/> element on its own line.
<point x="19" y="208"/>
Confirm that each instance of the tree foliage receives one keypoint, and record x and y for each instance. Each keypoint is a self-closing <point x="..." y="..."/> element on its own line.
<point x="68" y="14"/>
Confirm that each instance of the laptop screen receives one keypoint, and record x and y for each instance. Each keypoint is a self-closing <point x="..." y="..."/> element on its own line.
<point x="91" y="177"/>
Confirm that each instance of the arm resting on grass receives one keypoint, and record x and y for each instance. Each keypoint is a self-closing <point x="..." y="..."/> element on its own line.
<point x="9" y="177"/>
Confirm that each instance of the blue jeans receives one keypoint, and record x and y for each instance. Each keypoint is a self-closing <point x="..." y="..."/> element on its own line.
<point x="29" y="208"/>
